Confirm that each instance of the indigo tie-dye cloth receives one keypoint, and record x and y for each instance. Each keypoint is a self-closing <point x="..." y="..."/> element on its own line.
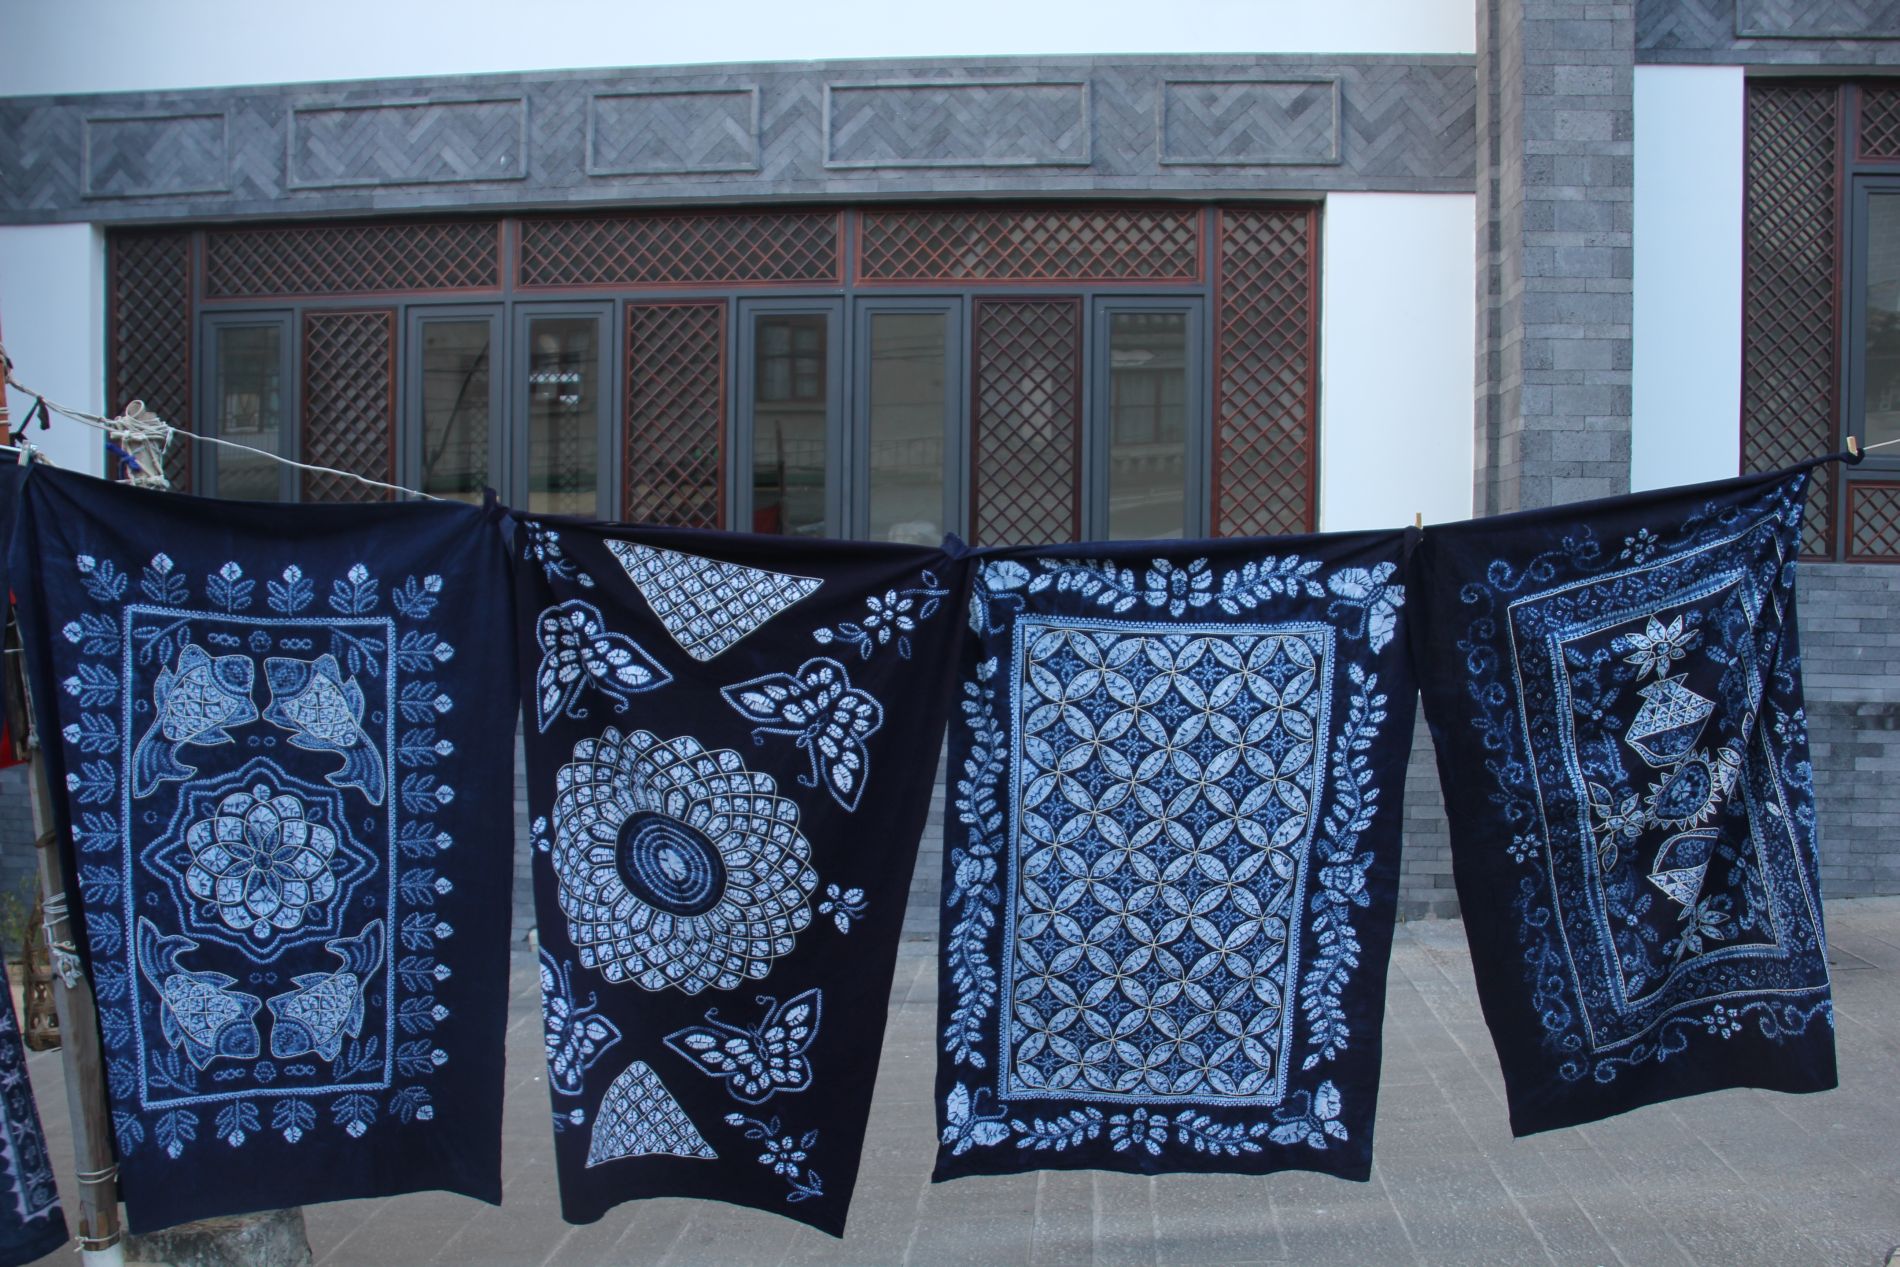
<point x="1171" y="856"/>
<point x="732" y="742"/>
<point x="32" y="1224"/>
<point x="283" y="737"/>
<point x="1614" y="689"/>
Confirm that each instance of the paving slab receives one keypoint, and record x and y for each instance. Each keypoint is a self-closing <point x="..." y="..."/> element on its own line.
<point x="1737" y="1177"/>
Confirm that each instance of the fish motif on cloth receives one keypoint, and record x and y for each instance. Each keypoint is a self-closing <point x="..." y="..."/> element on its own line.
<point x="284" y="803"/>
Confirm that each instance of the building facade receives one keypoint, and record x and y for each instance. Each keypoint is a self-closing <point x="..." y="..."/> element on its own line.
<point x="1510" y="255"/>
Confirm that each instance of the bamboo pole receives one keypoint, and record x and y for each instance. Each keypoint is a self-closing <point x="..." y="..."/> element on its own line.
<point x="98" y="1215"/>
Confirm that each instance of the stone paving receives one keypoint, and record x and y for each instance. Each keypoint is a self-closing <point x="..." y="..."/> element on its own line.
<point x="1736" y="1177"/>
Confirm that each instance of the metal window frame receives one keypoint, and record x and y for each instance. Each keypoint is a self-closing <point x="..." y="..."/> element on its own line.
<point x="1097" y="423"/>
<point x="208" y="350"/>
<point x="409" y="428"/>
<point x="955" y="310"/>
<point x="609" y="316"/>
<point x="740" y="404"/>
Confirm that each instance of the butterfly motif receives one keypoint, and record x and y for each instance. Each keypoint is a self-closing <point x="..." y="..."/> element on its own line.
<point x="828" y="717"/>
<point x="760" y="1060"/>
<point x="578" y="651"/>
<point x="576" y="1035"/>
<point x="966" y="1125"/>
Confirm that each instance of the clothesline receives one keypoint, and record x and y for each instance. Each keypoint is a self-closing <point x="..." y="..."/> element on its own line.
<point x="140" y="430"/>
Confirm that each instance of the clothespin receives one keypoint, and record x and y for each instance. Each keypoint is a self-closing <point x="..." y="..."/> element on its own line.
<point x="1853" y="447"/>
<point x="1418" y="519"/>
<point x="39" y="411"/>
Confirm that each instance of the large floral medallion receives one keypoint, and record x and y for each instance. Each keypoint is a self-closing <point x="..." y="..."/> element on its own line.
<point x="677" y="866"/>
<point x="259" y="859"/>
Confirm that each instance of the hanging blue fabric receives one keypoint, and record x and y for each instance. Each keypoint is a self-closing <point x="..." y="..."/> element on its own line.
<point x="32" y="1224"/>
<point x="1171" y="874"/>
<point x="1614" y="689"/>
<point x="731" y="743"/>
<point x="283" y="734"/>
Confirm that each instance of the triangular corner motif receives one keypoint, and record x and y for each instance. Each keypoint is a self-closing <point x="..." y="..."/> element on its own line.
<point x="639" y="1117"/>
<point x="708" y="605"/>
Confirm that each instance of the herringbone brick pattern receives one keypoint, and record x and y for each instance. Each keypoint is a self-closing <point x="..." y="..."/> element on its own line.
<point x="349" y="420"/>
<point x="408" y="143"/>
<point x="1806" y="19"/>
<point x="684" y="249"/>
<point x="1094" y="243"/>
<point x="1236" y="123"/>
<point x="1791" y="249"/>
<point x="1264" y="372"/>
<point x="952" y="124"/>
<point x="149" y="344"/>
<point x="676" y="410"/>
<point x="672" y="132"/>
<point x="1026" y="459"/>
<point x="132" y="158"/>
<point x="352" y="259"/>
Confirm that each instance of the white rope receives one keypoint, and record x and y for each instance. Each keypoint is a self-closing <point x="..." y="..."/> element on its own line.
<point x="145" y="429"/>
<point x="1868" y="448"/>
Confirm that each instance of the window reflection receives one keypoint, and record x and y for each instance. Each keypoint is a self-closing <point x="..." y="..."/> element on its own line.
<point x="1147" y="447"/>
<point x="563" y="414"/>
<point x="455" y="409"/>
<point x="907" y="410"/>
<point x="250" y="411"/>
<point x="1880" y="418"/>
<point x="790" y="393"/>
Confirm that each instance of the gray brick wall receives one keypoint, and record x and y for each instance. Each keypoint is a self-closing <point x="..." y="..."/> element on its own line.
<point x="1555" y="179"/>
<point x="1823" y="34"/>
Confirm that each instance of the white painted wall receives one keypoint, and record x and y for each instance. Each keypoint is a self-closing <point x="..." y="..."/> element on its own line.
<point x="1398" y="338"/>
<point x="1686" y="372"/>
<point x="58" y="46"/>
<point x="52" y="317"/>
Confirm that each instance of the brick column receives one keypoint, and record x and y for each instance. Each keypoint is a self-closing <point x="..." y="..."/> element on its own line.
<point x="1553" y="252"/>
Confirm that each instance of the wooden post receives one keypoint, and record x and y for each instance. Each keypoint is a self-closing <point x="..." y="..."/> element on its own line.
<point x="98" y="1213"/>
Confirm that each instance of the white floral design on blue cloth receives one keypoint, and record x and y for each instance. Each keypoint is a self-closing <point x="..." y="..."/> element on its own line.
<point x="678" y="867"/>
<point x="578" y="651"/>
<point x="829" y="718"/>
<point x="260" y="862"/>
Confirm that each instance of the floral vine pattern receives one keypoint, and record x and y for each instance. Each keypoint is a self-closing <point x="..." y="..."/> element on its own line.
<point x="1164" y="780"/>
<point x="889" y="618"/>
<point x="1636" y="713"/>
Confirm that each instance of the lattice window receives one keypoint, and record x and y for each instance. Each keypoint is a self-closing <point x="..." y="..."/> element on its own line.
<point x="1026" y="460"/>
<point x="1873" y="521"/>
<point x="1880" y="123"/>
<point x="1790" y="297"/>
<point x="349" y="403"/>
<point x="676" y="411"/>
<point x="671" y="249"/>
<point x="1065" y="244"/>
<point x="1265" y="442"/>
<point x="150" y="335"/>
<point x="353" y="259"/>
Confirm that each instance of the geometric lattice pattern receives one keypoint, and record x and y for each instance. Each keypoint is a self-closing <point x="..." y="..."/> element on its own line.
<point x="681" y="248"/>
<point x="1790" y="296"/>
<point x="1873" y="522"/>
<point x="676" y="410"/>
<point x="1266" y="373"/>
<point x="1880" y="122"/>
<point x="353" y="259"/>
<point x="149" y="356"/>
<point x="1095" y="243"/>
<point x="1026" y="423"/>
<point x="349" y="403"/>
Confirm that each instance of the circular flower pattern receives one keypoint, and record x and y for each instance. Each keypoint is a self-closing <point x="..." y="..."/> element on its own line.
<point x="261" y="862"/>
<point x="677" y="867"/>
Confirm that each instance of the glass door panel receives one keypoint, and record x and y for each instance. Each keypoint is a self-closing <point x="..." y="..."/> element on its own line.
<point x="910" y="412"/>
<point x="456" y="407"/>
<point x="791" y="416"/>
<point x="1147" y="425"/>
<point x="250" y="398"/>
<point x="1878" y="417"/>
<point x="564" y="414"/>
